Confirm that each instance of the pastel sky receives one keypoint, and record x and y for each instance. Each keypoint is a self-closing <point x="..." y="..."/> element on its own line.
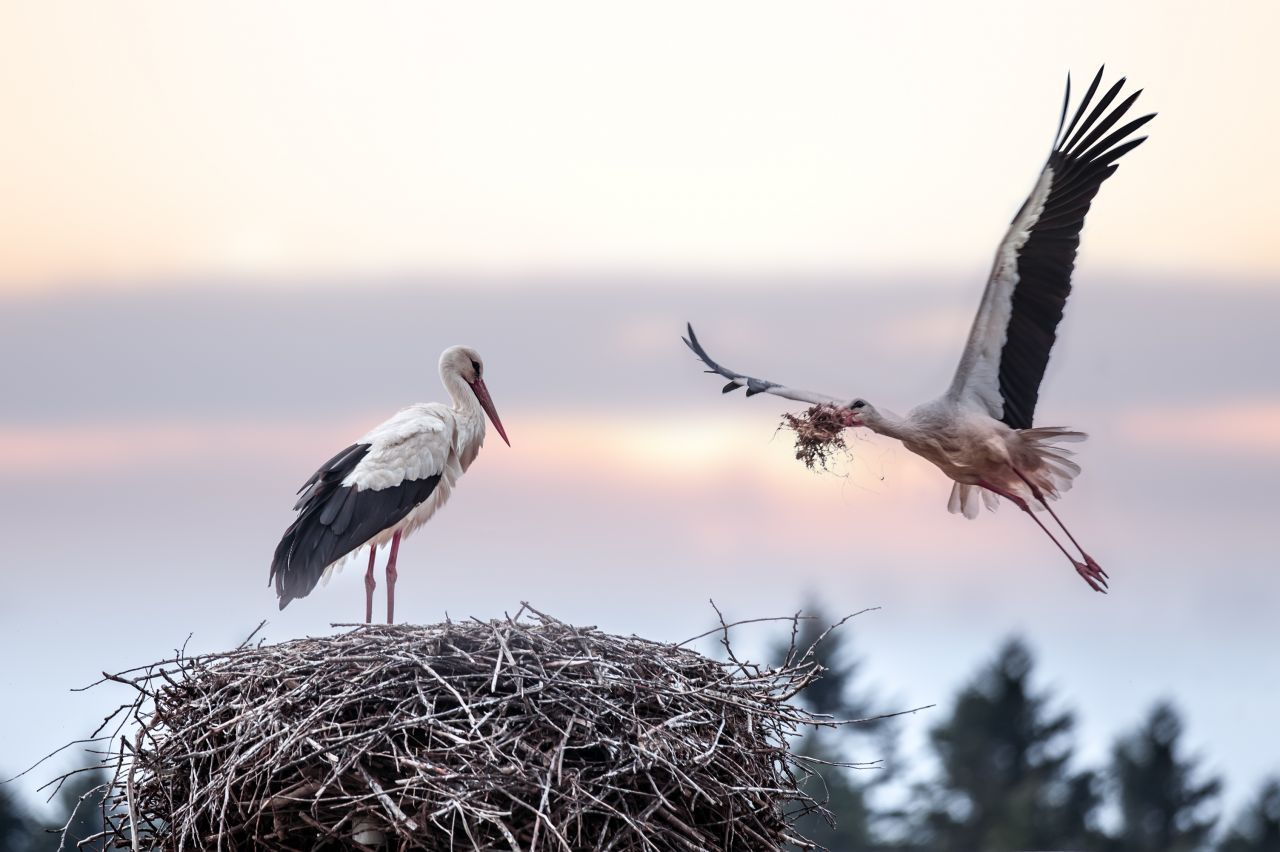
<point x="236" y="236"/>
<point x="313" y="138"/>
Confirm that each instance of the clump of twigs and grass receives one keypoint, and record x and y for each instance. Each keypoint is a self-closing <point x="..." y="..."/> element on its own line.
<point x="521" y="733"/>
<point x="819" y="434"/>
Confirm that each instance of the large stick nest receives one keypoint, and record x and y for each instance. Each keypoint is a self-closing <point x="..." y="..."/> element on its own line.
<point x="523" y="733"/>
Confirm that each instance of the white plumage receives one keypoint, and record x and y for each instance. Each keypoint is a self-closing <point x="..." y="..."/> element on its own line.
<point x="980" y="432"/>
<point x="424" y="440"/>
<point x="387" y="484"/>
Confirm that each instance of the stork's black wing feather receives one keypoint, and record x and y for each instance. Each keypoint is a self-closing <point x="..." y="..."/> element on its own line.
<point x="736" y="380"/>
<point x="333" y="520"/>
<point x="1014" y="332"/>
<point x="752" y="384"/>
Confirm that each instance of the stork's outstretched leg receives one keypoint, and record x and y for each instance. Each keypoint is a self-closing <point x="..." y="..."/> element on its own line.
<point x="391" y="579"/>
<point x="1093" y="567"/>
<point x="1089" y="573"/>
<point x="369" y="585"/>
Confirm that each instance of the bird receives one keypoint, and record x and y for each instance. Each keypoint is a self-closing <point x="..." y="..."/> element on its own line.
<point x="386" y="485"/>
<point x="980" y="432"/>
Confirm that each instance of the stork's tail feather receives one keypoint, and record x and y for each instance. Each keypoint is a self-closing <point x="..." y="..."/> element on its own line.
<point x="1045" y="463"/>
<point x="990" y="499"/>
<point x="968" y="500"/>
<point x="1053" y="434"/>
<point x="1056" y="471"/>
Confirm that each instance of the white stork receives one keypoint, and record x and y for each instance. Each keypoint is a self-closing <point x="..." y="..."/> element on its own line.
<point x="980" y="431"/>
<point x="386" y="485"/>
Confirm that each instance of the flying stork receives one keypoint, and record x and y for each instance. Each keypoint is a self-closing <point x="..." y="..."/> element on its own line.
<point x="386" y="485"/>
<point x="980" y="432"/>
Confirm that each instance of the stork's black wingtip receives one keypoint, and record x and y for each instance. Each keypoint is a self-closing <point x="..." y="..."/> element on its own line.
<point x="729" y="388"/>
<point x="692" y="342"/>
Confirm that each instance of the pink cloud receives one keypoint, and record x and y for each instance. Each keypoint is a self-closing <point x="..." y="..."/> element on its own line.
<point x="104" y="448"/>
<point x="1243" y="427"/>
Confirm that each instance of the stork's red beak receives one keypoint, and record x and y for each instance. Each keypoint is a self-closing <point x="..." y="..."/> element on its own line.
<point x="486" y="402"/>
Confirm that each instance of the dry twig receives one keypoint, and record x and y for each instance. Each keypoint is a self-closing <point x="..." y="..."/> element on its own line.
<point x="819" y="434"/>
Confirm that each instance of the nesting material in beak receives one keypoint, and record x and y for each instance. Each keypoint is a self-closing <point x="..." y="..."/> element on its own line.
<point x="819" y="434"/>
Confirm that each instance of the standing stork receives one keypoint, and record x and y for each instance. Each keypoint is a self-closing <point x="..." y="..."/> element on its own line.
<point x="980" y="432"/>
<point x="386" y="485"/>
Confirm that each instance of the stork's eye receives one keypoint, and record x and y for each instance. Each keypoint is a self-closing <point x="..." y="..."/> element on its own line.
<point x="475" y="365"/>
<point x="858" y="403"/>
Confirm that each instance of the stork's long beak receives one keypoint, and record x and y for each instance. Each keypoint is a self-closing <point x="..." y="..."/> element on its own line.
<point x="486" y="402"/>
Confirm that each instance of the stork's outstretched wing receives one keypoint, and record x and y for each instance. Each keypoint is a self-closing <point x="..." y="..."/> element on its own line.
<point x="1017" y="322"/>
<point x="753" y="385"/>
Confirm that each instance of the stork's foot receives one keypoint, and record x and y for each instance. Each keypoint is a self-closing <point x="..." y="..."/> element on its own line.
<point x="1092" y="573"/>
<point x="1094" y="565"/>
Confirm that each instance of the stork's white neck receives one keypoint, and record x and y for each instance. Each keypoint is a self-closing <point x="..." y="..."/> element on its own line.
<point x="470" y="416"/>
<point x="887" y="423"/>
<point x="464" y="398"/>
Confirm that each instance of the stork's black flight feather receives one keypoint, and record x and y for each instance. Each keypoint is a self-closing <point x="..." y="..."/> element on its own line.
<point x="334" y="520"/>
<point x="736" y="380"/>
<point x="1081" y="160"/>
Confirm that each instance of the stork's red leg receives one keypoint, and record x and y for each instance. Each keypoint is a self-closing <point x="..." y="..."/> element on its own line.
<point x="1089" y="561"/>
<point x="1089" y="570"/>
<point x="369" y="585"/>
<point x="391" y="579"/>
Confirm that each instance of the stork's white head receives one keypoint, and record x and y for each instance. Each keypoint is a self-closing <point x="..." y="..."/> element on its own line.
<point x="859" y="412"/>
<point x="464" y="363"/>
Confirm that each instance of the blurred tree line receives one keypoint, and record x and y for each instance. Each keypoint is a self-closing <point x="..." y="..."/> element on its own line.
<point x="1005" y="777"/>
<point x="78" y="806"/>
